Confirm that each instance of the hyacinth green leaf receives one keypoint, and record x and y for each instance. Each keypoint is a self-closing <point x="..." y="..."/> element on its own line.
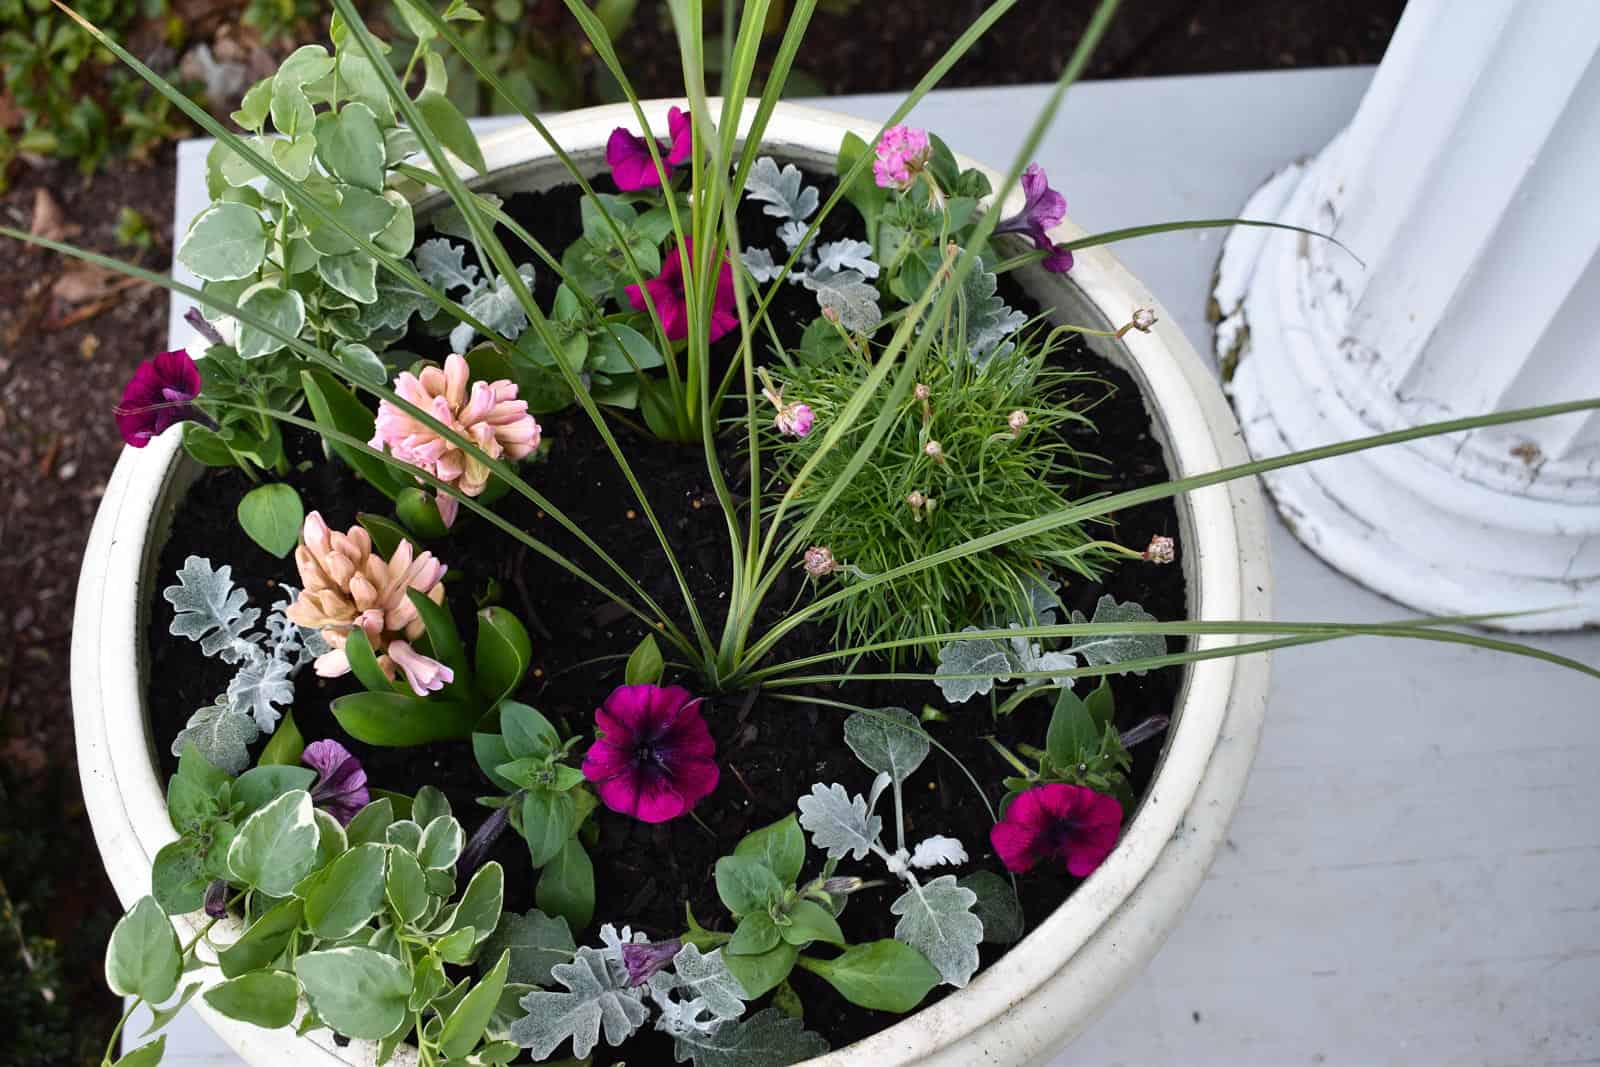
<point x="271" y="514"/>
<point x="419" y="511"/>
<point x="143" y="959"/>
<point x="396" y="720"/>
<point x="263" y="998"/>
<point x="360" y="992"/>
<point x="225" y="242"/>
<point x="336" y="408"/>
<point x="502" y="654"/>
<point x="442" y="635"/>
<point x="285" y="745"/>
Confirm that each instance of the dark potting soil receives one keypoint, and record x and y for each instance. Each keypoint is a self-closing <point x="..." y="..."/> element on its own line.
<point x="771" y="750"/>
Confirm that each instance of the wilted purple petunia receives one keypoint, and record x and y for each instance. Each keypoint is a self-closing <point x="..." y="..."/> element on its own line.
<point x="628" y="155"/>
<point x="653" y="757"/>
<point x="1042" y="210"/>
<point x="160" y="394"/>
<point x="1069" y="824"/>
<point x="667" y="293"/>
<point x="644" y="958"/>
<point x="341" y="785"/>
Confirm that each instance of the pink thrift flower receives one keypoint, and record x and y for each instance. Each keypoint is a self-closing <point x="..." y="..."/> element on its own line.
<point x="628" y="155"/>
<point x="489" y="415"/>
<point x="794" y="420"/>
<point x="341" y="785"/>
<point x="1065" y="823"/>
<point x="653" y="757"/>
<point x="902" y="152"/>
<point x="667" y="292"/>
<point x="1042" y="211"/>
<point x="160" y="394"/>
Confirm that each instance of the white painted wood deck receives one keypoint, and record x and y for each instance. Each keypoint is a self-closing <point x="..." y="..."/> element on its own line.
<point x="1414" y="875"/>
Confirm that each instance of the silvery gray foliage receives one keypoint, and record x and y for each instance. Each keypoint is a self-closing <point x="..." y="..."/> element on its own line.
<point x="989" y="319"/>
<point x="1117" y="648"/>
<point x="697" y="994"/>
<point x="937" y="849"/>
<point x="211" y="610"/>
<point x="791" y="234"/>
<point x="994" y="661"/>
<point x="937" y="920"/>
<point x="888" y="740"/>
<point x="782" y="191"/>
<point x="597" y="997"/>
<point x="768" y="1038"/>
<point x="442" y="265"/>
<point x="758" y="261"/>
<point x="850" y="294"/>
<point x="839" y="824"/>
<point x="488" y="299"/>
<point x="222" y="735"/>
<point x="847" y="254"/>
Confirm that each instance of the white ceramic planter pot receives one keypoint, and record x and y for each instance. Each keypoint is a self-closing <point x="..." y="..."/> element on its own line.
<point x="1048" y="987"/>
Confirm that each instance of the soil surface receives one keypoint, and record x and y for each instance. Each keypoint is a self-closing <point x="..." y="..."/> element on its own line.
<point x="772" y="750"/>
<point x="63" y="362"/>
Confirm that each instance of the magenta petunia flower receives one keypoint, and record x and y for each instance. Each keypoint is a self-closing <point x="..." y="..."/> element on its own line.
<point x="653" y="756"/>
<point x="1065" y="823"/>
<point x="160" y="394"/>
<point x="341" y="785"/>
<point x="667" y="292"/>
<point x="1042" y="211"/>
<point x="902" y="151"/>
<point x="628" y="155"/>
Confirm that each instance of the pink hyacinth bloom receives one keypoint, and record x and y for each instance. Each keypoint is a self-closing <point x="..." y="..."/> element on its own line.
<point x="347" y="587"/>
<point x="425" y="675"/>
<point x="488" y="414"/>
<point x="653" y="757"/>
<point x="341" y="785"/>
<point x="1042" y="211"/>
<point x="628" y="155"/>
<point x="667" y="292"/>
<point x="160" y="394"/>
<point x="1066" y="823"/>
<point x="902" y="152"/>
<point x="794" y="420"/>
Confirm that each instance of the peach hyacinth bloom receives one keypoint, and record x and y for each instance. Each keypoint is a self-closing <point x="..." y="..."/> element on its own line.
<point x="348" y="585"/>
<point x="489" y="415"/>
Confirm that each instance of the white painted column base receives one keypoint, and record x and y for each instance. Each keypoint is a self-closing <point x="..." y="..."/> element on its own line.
<point x="1432" y="527"/>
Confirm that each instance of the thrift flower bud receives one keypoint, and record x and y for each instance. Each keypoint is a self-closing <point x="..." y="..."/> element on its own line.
<point x="1017" y="420"/>
<point x="794" y="420"/>
<point x="1161" y="550"/>
<point x="1144" y="319"/>
<point x="934" y="451"/>
<point x="819" y="561"/>
<point x="922" y="392"/>
<point x="916" y="499"/>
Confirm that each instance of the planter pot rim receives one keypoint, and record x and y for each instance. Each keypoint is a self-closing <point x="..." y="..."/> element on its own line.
<point x="1045" y="989"/>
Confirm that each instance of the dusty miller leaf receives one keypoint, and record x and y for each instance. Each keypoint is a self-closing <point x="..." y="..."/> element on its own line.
<point x="849" y="294"/>
<point x="768" y="1038"/>
<point x="888" y="740"/>
<point x="782" y="191"/>
<point x="442" y="265"/>
<point x="791" y="234"/>
<point x="221" y="734"/>
<point x="698" y="994"/>
<point x="848" y="254"/>
<point x="1117" y="648"/>
<point x="936" y="919"/>
<point x="260" y="685"/>
<point x="989" y="320"/>
<point x="932" y="851"/>
<point x="838" y="823"/>
<point x="1000" y="661"/>
<point x="597" y="996"/>
<point x="759" y="262"/>
<point x="451" y="221"/>
<point x="210" y="609"/>
<point x="496" y="307"/>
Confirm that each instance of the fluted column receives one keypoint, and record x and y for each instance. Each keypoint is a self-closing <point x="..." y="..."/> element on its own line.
<point x="1469" y="184"/>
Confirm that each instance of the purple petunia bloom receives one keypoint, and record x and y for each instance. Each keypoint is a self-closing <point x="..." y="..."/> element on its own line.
<point x="667" y="293"/>
<point x="645" y="958"/>
<point x="160" y="394"/>
<point x="341" y="785"/>
<point x="1042" y="211"/>
<point x="653" y="756"/>
<point x="628" y="155"/>
<point x="1070" y="824"/>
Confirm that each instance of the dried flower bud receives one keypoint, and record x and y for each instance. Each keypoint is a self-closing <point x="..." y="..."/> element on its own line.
<point x="794" y="420"/>
<point x="1144" y="319"/>
<point x="1161" y="550"/>
<point x="819" y="561"/>
<point x="915" y="498"/>
<point x="934" y="451"/>
<point x="1017" y="420"/>
<point x="842" y="886"/>
<point x="922" y="392"/>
